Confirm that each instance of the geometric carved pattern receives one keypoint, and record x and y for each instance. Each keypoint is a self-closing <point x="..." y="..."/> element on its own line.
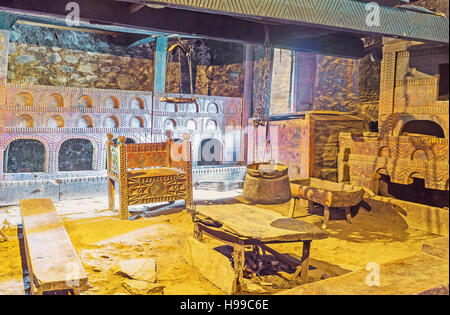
<point x="340" y="14"/>
<point x="422" y="157"/>
<point x="158" y="179"/>
<point x="156" y="189"/>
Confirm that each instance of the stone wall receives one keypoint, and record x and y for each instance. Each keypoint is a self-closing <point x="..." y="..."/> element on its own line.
<point x="45" y="56"/>
<point x="43" y="65"/>
<point x="217" y="69"/>
<point x="336" y="85"/>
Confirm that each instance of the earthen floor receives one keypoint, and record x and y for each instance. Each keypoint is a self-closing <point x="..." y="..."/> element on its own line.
<point x="102" y="240"/>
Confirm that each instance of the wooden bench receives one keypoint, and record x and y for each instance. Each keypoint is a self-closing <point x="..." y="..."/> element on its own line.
<point x="2" y="233"/>
<point x="149" y="172"/>
<point x="53" y="263"/>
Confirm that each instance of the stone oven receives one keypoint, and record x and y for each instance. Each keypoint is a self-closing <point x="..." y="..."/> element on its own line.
<point x="409" y="157"/>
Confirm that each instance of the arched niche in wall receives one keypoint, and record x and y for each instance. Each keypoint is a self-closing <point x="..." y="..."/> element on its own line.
<point x="25" y="121"/>
<point x="170" y="124"/>
<point x="213" y="108"/>
<point x="137" y="103"/>
<point x="171" y="107"/>
<point x="384" y="152"/>
<point x="84" y="102"/>
<point x="55" y="121"/>
<point x="231" y="109"/>
<point x="24" y="99"/>
<point x="76" y="155"/>
<point x="55" y="100"/>
<point x="211" y="125"/>
<point x="112" y="122"/>
<point x="422" y="127"/>
<point x="112" y="103"/>
<point x="210" y="152"/>
<point x="192" y="108"/>
<point x="191" y="124"/>
<point x="24" y="156"/>
<point x="137" y="122"/>
<point x="85" y="122"/>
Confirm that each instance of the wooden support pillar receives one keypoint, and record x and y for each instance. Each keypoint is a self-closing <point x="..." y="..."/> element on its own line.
<point x="247" y="100"/>
<point x="160" y="65"/>
<point x="304" y="81"/>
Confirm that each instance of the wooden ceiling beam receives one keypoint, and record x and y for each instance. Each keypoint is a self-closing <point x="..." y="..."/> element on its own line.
<point x="113" y="15"/>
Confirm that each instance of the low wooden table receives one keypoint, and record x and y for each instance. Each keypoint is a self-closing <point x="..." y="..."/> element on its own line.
<point x="242" y="225"/>
<point x="53" y="263"/>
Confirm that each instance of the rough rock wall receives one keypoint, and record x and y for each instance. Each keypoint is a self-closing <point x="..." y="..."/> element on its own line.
<point x="43" y="65"/>
<point x="216" y="69"/>
<point x="46" y="56"/>
<point x="439" y="6"/>
<point x="336" y="85"/>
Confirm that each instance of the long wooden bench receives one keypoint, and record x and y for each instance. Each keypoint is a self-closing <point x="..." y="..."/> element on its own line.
<point x="53" y="263"/>
<point x="2" y="234"/>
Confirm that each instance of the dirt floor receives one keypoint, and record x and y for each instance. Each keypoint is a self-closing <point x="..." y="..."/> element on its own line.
<point x="102" y="240"/>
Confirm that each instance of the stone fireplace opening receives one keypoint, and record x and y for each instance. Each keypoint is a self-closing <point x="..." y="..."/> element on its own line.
<point x="415" y="192"/>
<point x="423" y="128"/>
<point x="76" y="155"/>
<point x="24" y="156"/>
<point x="210" y="153"/>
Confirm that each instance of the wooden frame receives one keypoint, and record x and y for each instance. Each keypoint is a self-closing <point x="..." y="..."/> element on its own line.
<point x="239" y="244"/>
<point x="149" y="172"/>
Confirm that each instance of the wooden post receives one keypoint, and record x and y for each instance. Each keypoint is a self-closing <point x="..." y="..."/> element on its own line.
<point x="123" y="203"/>
<point x="160" y="65"/>
<point x="326" y="217"/>
<point x="111" y="188"/>
<point x="247" y="101"/>
<point x="305" y="261"/>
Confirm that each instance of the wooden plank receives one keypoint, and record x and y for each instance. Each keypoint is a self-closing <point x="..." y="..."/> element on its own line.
<point x="211" y="264"/>
<point x="52" y="260"/>
<point x="3" y="235"/>
<point x="340" y="15"/>
<point x="261" y="224"/>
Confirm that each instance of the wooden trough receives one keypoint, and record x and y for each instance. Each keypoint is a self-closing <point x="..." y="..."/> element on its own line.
<point x="326" y="193"/>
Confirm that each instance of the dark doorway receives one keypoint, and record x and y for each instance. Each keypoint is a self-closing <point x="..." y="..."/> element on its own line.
<point x="415" y="192"/>
<point x="423" y="127"/>
<point x="24" y="156"/>
<point x="76" y="155"/>
<point x="210" y="152"/>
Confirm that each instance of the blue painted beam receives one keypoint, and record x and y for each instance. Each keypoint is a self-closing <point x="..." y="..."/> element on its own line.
<point x="7" y="20"/>
<point x="160" y="65"/>
<point x="142" y="41"/>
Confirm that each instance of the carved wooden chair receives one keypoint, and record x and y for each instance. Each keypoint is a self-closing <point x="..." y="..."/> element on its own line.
<point x="149" y="172"/>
